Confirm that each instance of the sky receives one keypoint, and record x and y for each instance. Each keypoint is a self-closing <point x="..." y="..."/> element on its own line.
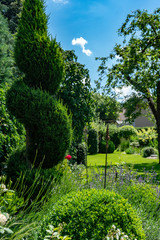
<point x="89" y="27"/>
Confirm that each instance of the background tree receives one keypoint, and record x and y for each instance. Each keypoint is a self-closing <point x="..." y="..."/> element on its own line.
<point x="11" y="10"/>
<point x="31" y="101"/>
<point x="12" y="133"/>
<point x="138" y="60"/>
<point x="76" y="94"/>
<point x="133" y="108"/>
<point x="6" y="48"/>
<point x="106" y="108"/>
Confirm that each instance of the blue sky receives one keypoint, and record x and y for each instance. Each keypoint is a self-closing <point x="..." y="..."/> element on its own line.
<point x="90" y="26"/>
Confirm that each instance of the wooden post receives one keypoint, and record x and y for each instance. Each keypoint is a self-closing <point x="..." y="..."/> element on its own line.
<point x="107" y="138"/>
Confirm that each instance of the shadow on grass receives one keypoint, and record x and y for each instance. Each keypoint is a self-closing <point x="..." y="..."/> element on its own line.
<point x="141" y="168"/>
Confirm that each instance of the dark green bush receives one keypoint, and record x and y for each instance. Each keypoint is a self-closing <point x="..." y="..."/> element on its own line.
<point x="102" y="147"/>
<point x="32" y="101"/>
<point x="93" y="141"/>
<point x="90" y="214"/>
<point x="127" y="131"/>
<point x="130" y="150"/>
<point x="148" y="151"/>
<point x="114" y="135"/>
<point x="46" y="121"/>
<point x="81" y="153"/>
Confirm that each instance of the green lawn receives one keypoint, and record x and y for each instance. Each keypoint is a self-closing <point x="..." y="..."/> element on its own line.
<point x="137" y="161"/>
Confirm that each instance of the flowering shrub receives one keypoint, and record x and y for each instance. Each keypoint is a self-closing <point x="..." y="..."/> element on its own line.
<point x="145" y="137"/>
<point x="9" y="201"/>
<point x="68" y="157"/>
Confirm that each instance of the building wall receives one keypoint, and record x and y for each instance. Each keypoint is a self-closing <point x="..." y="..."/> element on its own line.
<point x="143" y="121"/>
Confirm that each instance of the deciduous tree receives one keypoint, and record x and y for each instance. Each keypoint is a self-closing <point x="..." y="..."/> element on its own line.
<point x="137" y="59"/>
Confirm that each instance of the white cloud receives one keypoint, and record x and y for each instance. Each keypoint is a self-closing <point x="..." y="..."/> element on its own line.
<point x="118" y="57"/>
<point x="124" y="92"/>
<point x="81" y="41"/>
<point x="60" y="1"/>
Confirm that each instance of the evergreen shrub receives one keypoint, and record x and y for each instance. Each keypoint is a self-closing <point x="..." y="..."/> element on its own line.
<point x="102" y="147"/>
<point x="93" y="143"/>
<point x="127" y="132"/>
<point x="148" y="151"/>
<point x="90" y="214"/>
<point x="32" y="101"/>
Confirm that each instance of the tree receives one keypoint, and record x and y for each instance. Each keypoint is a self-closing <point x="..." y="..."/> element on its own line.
<point x="11" y="10"/>
<point x="136" y="106"/>
<point x="11" y="132"/>
<point x="76" y="93"/>
<point x="106" y="108"/>
<point x="6" y="47"/>
<point x="138" y="60"/>
<point x="31" y="100"/>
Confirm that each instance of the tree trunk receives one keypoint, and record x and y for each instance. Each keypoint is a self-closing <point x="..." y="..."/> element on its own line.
<point x="158" y="117"/>
<point x="156" y="112"/>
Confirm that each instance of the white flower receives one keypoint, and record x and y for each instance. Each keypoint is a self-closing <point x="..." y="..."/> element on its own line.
<point x="113" y="227"/>
<point x="3" y="219"/>
<point x="3" y="187"/>
<point x="118" y="232"/>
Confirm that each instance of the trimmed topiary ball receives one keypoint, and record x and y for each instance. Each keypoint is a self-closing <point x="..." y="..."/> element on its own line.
<point x="148" y="151"/>
<point x="90" y="214"/>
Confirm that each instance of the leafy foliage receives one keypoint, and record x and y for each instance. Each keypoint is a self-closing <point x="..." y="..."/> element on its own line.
<point x="102" y="147"/>
<point x="127" y="131"/>
<point x="137" y="64"/>
<point x="93" y="142"/>
<point x="90" y="214"/>
<point x="148" y="151"/>
<point x="6" y="60"/>
<point x="75" y="91"/>
<point x="146" y="136"/>
<point x="12" y="133"/>
<point x="11" y="10"/>
<point x="105" y="107"/>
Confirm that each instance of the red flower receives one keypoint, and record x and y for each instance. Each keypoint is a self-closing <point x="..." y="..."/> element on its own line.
<point x="68" y="157"/>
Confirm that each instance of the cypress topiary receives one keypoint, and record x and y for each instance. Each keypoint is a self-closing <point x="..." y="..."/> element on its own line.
<point x="31" y="100"/>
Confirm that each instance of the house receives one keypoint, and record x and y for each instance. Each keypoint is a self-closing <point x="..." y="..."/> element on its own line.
<point x="141" y="121"/>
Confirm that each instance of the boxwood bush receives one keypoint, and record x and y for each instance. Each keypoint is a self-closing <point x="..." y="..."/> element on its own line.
<point x="127" y="131"/>
<point x="90" y="214"/>
<point x="148" y="151"/>
<point x="102" y="147"/>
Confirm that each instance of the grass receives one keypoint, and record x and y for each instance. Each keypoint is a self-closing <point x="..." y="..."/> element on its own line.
<point x="137" y="162"/>
<point x="144" y="199"/>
